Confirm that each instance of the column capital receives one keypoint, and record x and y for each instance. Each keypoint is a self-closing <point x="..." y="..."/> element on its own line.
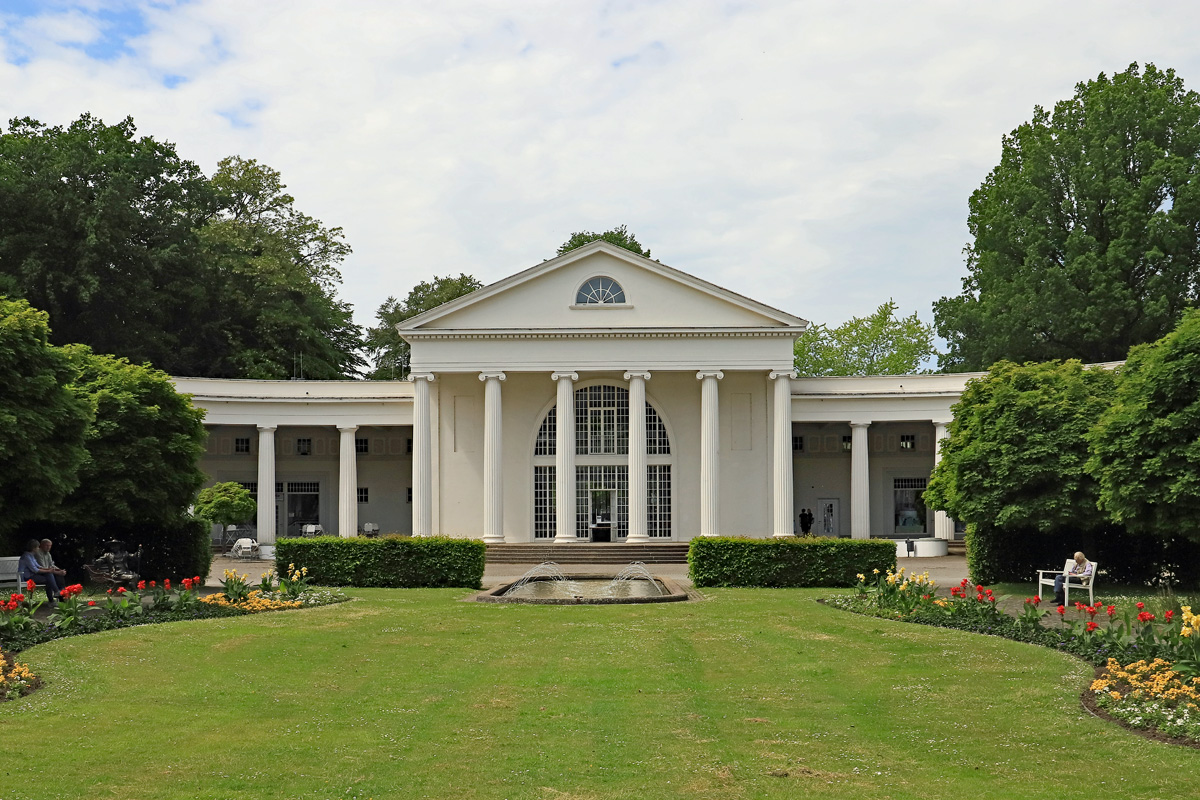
<point x="630" y="375"/>
<point x="788" y="373"/>
<point x="941" y="423"/>
<point x="574" y="376"/>
<point x="422" y="376"/>
<point x="860" y="424"/>
<point x="347" y="428"/>
<point x="267" y="428"/>
<point x="710" y="374"/>
<point x="483" y="376"/>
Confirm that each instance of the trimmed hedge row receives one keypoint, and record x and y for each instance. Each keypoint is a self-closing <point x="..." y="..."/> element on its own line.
<point x="388" y="561"/>
<point x="789" y="562"/>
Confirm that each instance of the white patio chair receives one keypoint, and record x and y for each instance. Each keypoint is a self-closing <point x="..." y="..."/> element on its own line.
<point x="10" y="574"/>
<point x="370" y="529"/>
<point x="1046" y="578"/>
<point x="244" y="548"/>
<point x="312" y="530"/>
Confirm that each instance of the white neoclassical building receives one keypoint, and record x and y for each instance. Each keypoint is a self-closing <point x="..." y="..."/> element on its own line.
<point x="598" y="396"/>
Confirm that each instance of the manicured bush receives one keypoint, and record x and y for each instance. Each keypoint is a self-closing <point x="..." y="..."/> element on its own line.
<point x="183" y="547"/>
<point x="388" y="561"/>
<point x="790" y="562"/>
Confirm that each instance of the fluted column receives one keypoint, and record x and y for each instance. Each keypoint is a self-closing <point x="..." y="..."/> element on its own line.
<point x="493" y="458"/>
<point x="637" y="457"/>
<point x="782" y="495"/>
<point x="943" y="526"/>
<point x="347" y="482"/>
<point x="422" y="467"/>
<point x="266" y="484"/>
<point x="564" y="461"/>
<point x="710" y="453"/>
<point x="860" y="483"/>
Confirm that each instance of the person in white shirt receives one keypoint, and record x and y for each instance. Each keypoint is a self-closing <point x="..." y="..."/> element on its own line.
<point x="1079" y="573"/>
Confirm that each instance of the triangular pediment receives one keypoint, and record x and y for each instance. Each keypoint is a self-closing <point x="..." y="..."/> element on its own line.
<point x="656" y="296"/>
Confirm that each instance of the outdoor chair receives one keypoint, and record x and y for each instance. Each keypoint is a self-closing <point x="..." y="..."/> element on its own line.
<point x="1046" y="578"/>
<point x="370" y="529"/>
<point x="9" y="573"/>
<point x="311" y="530"/>
<point x="244" y="548"/>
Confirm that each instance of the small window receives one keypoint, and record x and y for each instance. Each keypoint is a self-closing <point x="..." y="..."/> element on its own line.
<point x="410" y="494"/>
<point x="908" y="441"/>
<point x="304" y="447"/>
<point x="362" y="446"/>
<point x="251" y="487"/>
<point x="241" y="444"/>
<point x="798" y="444"/>
<point x="364" y="494"/>
<point x="600" y="290"/>
<point x="409" y="446"/>
<point x="847" y="443"/>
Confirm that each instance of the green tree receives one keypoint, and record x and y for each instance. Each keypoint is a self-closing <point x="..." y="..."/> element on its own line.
<point x="224" y="504"/>
<point x="278" y="273"/>
<point x="880" y="344"/>
<point x="97" y="229"/>
<point x="143" y="447"/>
<point x="383" y="343"/>
<point x="1087" y="234"/>
<point x="42" y="419"/>
<point x="1145" y="450"/>
<point x="619" y="236"/>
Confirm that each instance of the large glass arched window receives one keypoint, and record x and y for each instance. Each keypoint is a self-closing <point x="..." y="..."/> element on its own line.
<point x="601" y="432"/>
<point x="600" y="290"/>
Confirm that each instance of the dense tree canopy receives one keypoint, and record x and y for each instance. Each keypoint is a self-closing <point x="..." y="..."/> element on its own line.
<point x="42" y="419"/>
<point x="1087" y="234"/>
<point x="132" y="251"/>
<point x="1146" y="447"/>
<point x="1018" y="447"/>
<point x="619" y="236"/>
<point x="879" y="344"/>
<point x="384" y="345"/>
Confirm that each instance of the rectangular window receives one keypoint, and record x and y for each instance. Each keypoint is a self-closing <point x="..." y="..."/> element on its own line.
<point x="798" y="444"/>
<point x="364" y="494"/>
<point x="847" y="443"/>
<point x="362" y="445"/>
<point x="303" y="487"/>
<point x="409" y="446"/>
<point x="410" y="494"/>
<point x="304" y="447"/>
<point x="908" y="441"/>
<point x="251" y="487"/>
<point x="908" y="505"/>
<point x="545" y="523"/>
<point x="241" y="444"/>
<point x="658" y="501"/>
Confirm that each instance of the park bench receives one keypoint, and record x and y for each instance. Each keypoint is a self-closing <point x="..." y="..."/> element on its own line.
<point x="1046" y="578"/>
<point x="9" y="572"/>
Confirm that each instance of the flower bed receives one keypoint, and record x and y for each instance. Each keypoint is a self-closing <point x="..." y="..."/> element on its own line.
<point x="1157" y="687"/>
<point x="16" y="680"/>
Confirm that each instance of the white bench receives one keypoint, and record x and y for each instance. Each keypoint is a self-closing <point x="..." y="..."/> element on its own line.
<point x="9" y="572"/>
<point x="1046" y="578"/>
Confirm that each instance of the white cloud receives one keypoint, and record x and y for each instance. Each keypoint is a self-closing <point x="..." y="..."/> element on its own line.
<point x="816" y="156"/>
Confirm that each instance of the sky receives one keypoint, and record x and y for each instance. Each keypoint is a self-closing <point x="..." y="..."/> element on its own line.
<point x="816" y="156"/>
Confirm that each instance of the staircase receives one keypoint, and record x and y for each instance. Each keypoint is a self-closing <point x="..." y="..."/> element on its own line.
<point x="957" y="547"/>
<point x="588" y="553"/>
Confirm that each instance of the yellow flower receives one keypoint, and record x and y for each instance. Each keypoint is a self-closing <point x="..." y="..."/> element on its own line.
<point x="861" y="577"/>
<point x="876" y="571"/>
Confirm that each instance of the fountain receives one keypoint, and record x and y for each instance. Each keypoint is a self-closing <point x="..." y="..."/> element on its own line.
<point x="547" y="584"/>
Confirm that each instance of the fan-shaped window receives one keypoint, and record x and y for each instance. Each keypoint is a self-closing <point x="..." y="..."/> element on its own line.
<point x="600" y="290"/>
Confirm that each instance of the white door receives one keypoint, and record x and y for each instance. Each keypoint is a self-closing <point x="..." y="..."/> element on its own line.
<point x="829" y="521"/>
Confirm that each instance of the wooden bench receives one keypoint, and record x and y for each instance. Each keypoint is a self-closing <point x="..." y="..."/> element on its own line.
<point x="1046" y="578"/>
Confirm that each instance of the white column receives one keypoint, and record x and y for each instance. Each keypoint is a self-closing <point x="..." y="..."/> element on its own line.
<point x="943" y="526"/>
<point x="860" y="483"/>
<point x="710" y="453"/>
<point x="347" y="482"/>
<point x="422" y="465"/>
<point x="637" y="457"/>
<point x="782" y="517"/>
<point x="266" y="484"/>
<point x="493" y="458"/>
<point x="564" y="461"/>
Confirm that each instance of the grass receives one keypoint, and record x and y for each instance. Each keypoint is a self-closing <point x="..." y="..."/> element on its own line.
<point x="408" y="693"/>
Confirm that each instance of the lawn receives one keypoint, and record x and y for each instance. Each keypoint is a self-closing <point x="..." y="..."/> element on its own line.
<point x="409" y="693"/>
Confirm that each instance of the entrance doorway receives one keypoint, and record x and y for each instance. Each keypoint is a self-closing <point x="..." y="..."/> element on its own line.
<point x="828" y="522"/>
<point x="601" y="503"/>
<point x="303" y="505"/>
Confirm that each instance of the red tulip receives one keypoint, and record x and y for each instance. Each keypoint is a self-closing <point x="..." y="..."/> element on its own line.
<point x="1140" y="606"/>
<point x="91" y="602"/>
<point x="1170" y="614"/>
<point x="1112" y="610"/>
<point x="1091" y="626"/>
<point x="1061" y="610"/>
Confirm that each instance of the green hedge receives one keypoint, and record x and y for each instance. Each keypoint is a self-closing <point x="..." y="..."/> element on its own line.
<point x="388" y="561"/>
<point x="727" y="561"/>
<point x="1014" y="555"/>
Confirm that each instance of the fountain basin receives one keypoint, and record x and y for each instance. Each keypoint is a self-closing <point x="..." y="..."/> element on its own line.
<point x="589" y="586"/>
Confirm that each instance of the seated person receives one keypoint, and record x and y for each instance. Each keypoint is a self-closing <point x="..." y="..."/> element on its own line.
<point x="1079" y="573"/>
<point x="46" y="560"/>
<point x="30" y="570"/>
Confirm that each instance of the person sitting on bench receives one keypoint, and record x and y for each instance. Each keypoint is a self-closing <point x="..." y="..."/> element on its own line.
<point x="1079" y="574"/>
<point x="30" y="570"/>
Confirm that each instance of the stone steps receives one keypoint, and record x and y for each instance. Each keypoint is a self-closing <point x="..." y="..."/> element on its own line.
<point x="957" y="548"/>
<point x="588" y="553"/>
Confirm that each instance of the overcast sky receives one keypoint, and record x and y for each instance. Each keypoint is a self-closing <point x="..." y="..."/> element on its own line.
<point x="815" y="156"/>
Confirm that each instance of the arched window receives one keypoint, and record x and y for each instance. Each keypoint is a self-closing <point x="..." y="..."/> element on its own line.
<point x="601" y="432"/>
<point x="600" y="290"/>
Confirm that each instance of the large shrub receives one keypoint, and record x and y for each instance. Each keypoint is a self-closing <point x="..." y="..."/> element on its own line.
<point x="787" y="562"/>
<point x="389" y="561"/>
